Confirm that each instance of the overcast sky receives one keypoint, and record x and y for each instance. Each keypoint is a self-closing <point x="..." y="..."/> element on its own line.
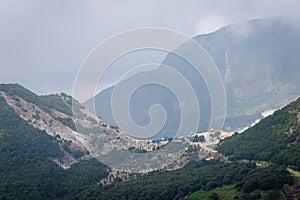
<point x="43" y="42"/>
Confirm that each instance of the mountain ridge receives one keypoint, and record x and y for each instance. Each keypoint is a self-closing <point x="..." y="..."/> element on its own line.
<point x="258" y="62"/>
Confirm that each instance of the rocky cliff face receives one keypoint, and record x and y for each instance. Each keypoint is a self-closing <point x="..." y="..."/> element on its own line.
<point x="59" y="124"/>
<point x="70" y="140"/>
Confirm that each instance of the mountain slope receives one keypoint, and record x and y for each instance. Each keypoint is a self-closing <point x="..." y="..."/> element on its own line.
<point x="259" y="64"/>
<point x="274" y="139"/>
<point x="76" y="131"/>
<point x="27" y="170"/>
<point x="258" y="61"/>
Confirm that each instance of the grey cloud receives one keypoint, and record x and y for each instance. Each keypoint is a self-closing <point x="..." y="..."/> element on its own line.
<point x="43" y="43"/>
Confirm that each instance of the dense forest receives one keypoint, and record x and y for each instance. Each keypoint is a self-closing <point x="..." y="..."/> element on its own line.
<point x="200" y="175"/>
<point x="274" y="139"/>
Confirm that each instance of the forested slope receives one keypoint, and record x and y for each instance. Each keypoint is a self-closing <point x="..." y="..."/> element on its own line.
<point x="274" y="139"/>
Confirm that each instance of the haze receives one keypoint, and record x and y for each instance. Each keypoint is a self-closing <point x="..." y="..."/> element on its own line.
<point x="43" y="43"/>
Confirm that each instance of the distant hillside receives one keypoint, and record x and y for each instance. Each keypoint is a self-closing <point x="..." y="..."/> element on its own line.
<point x="274" y="139"/>
<point x="259" y="64"/>
<point x="258" y="61"/>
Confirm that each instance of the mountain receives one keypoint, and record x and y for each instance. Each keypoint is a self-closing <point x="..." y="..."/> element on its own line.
<point x="80" y="134"/>
<point x="44" y="155"/>
<point x="259" y="66"/>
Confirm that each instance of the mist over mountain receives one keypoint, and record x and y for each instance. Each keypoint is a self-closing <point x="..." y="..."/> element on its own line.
<point x="259" y="64"/>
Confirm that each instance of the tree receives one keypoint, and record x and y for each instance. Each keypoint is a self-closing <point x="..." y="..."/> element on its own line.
<point x="213" y="196"/>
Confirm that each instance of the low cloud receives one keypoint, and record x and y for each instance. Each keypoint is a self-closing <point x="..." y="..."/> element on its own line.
<point x="43" y="43"/>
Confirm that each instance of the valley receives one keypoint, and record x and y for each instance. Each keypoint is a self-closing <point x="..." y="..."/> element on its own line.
<point x="210" y="160"/>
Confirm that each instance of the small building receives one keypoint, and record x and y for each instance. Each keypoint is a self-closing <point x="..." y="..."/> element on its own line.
<point x="156" y="141"/>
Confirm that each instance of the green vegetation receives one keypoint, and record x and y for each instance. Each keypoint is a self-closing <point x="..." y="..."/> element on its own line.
<point x="56" y="102"/>
<point x="225" y="192"/>
<point x="44" y="102"/>
<point x="211" y="180"/>
<point x="269" y="178"/>
<point x="74" y="152"/>
<point x="61" y="103"/>
<point x="1" y="133"/>
<point x="274" y="139"/>
<point x="68" y="122"/>
<point x="26" y="168"/>
<point x="205" y="175"/>
<point x="261" y="183"/>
